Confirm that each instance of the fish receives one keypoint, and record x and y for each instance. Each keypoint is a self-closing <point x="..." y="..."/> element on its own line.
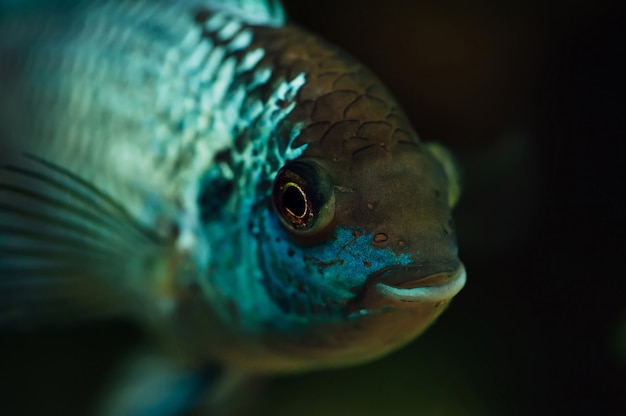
<point x="242" y="189"/>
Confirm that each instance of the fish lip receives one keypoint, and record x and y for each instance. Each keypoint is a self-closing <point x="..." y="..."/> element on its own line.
<point x="413" y="284"/>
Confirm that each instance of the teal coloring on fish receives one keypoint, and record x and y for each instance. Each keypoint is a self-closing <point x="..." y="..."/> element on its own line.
<point x="245" y="191"/>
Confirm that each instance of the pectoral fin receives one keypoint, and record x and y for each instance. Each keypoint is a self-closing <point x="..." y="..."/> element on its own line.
<point x="451" y="169"/>
<point x="150" y="384"/>
<point x="69" y="251"/>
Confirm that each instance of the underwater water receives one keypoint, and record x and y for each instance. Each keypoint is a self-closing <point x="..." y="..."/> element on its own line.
<point x="528" y="97"/>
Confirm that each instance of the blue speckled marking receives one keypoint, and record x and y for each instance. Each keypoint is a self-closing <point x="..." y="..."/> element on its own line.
<point x="328" y="274"/>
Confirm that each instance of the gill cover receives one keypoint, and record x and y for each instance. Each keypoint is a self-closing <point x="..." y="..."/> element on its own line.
<point x="451" y="169"/>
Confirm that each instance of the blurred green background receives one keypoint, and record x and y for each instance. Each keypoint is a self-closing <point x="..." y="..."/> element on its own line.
<point x="530" y="97"/>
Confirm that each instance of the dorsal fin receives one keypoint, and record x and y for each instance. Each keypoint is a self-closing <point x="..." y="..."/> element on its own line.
<point x="261" y="12"/>
<point x="21" y="6"/>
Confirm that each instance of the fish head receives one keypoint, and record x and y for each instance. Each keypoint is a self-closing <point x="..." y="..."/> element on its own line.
<point x="348" y="249"/>
<point x="367" y="257"/>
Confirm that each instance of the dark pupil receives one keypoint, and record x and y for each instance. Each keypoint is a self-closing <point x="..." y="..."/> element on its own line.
<point x="294" y="201"/>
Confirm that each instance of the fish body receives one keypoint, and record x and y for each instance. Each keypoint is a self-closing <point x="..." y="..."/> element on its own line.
<point x="231" y="181"/>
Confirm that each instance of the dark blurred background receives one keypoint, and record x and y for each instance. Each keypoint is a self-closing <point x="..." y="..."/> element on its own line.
<point x="530" y="97"/>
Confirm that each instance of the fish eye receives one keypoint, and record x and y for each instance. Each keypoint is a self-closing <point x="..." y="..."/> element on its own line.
<point x="303" y="197"/>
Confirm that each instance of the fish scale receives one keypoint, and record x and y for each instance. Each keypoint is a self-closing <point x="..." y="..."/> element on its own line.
<point x="194" y="71"/>
<point x="246" y="191"/>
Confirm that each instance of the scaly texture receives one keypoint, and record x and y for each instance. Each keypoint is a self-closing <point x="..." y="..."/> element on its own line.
<point x="297" y="220"/>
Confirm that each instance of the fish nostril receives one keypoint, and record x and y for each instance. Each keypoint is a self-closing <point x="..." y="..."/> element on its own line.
<point x="380" y="238"/>
<point x="387" y="239"/>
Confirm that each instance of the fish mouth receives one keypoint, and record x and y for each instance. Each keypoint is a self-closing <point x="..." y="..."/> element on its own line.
<point x="397" y="284"/>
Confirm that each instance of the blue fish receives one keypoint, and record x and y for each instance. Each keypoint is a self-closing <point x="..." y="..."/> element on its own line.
<point x="244" y="190"/>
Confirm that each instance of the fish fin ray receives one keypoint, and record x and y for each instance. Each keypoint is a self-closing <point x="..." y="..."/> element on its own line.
<point x="68" y="249"/>
<point x="92" y="197"/>
<point x="263" y="12"/>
